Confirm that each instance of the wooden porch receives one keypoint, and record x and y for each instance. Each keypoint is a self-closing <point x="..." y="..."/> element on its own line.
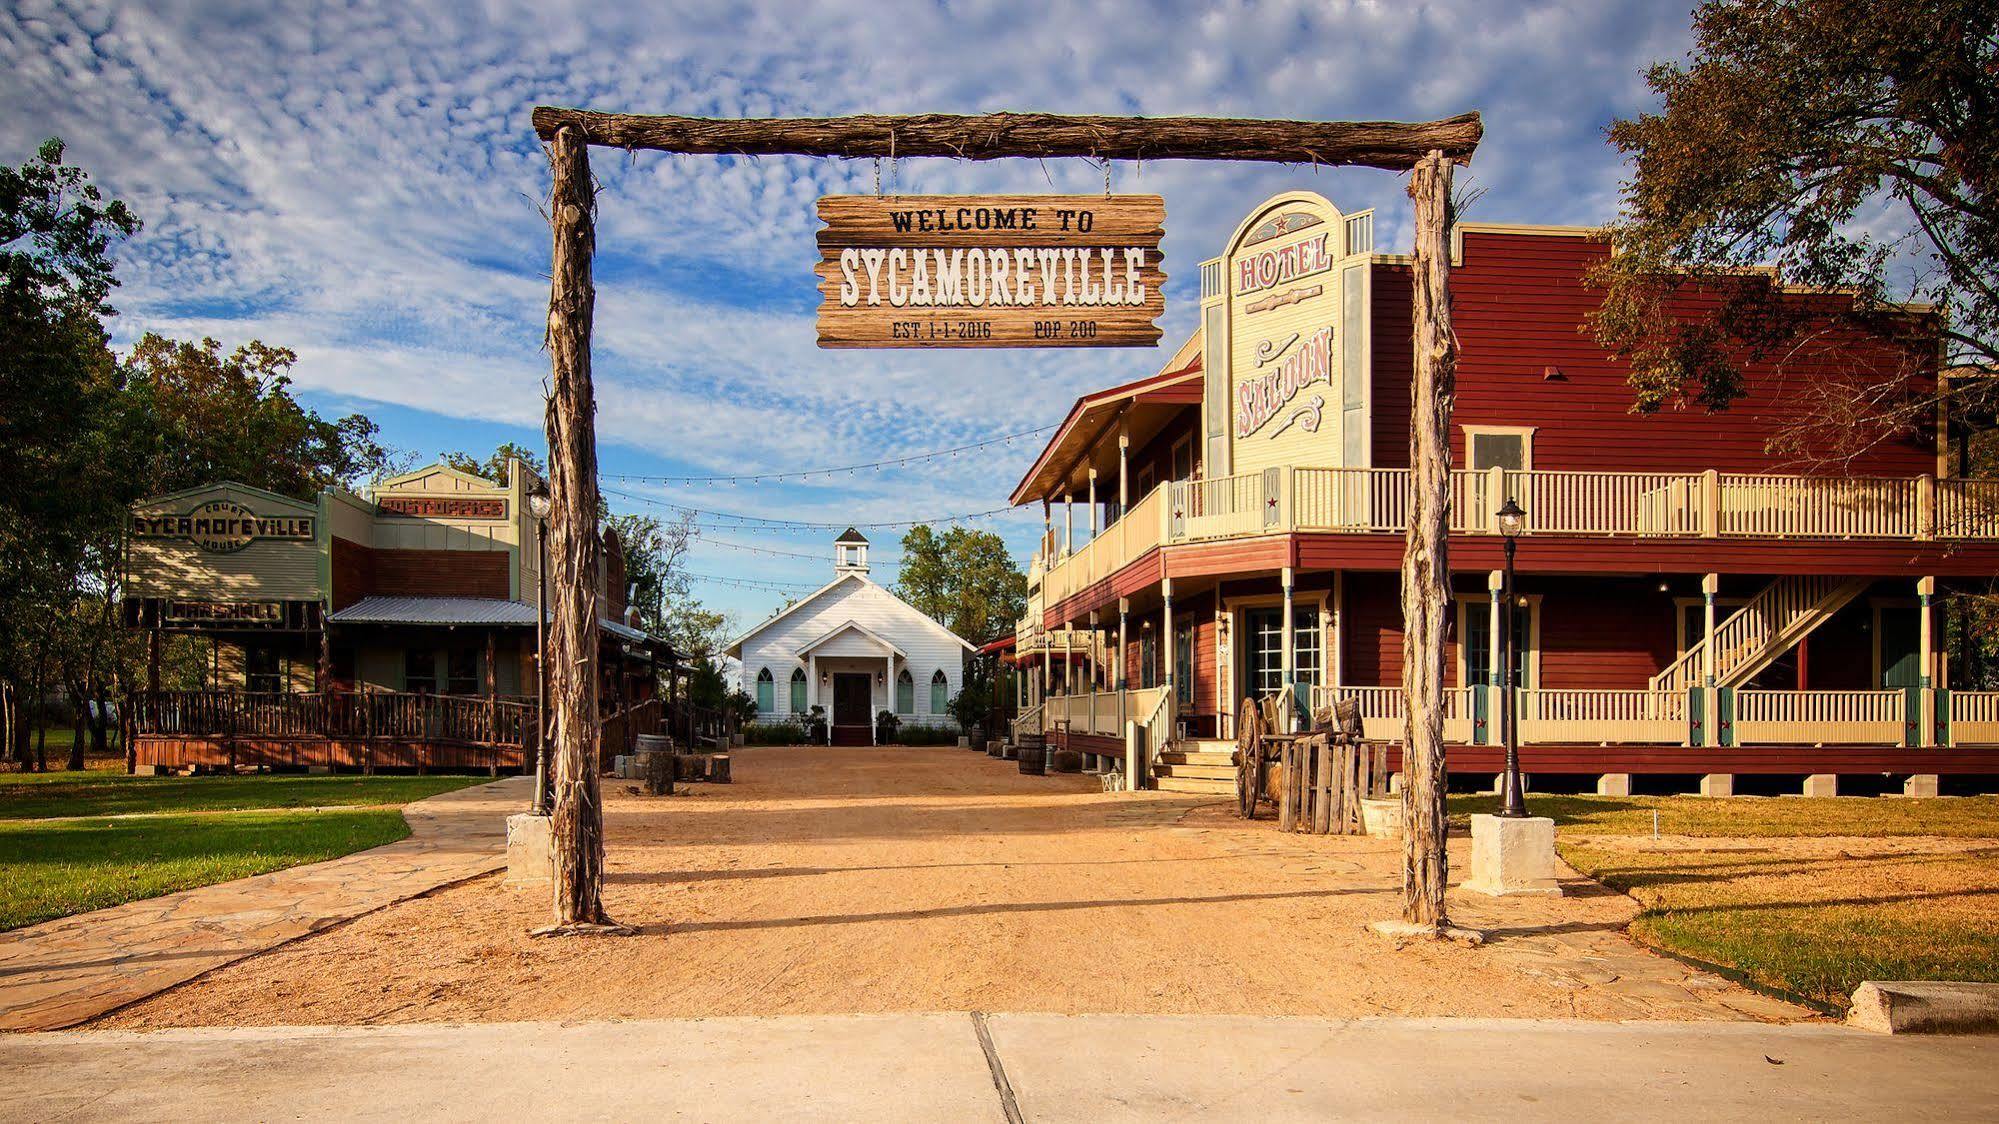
<point x="358" y="730"/>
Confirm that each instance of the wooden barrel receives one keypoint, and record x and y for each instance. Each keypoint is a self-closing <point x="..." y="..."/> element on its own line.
<point x="1033" y="759"/>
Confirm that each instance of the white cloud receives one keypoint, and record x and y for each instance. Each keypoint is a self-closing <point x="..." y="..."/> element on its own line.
<point x="361" y="184"/>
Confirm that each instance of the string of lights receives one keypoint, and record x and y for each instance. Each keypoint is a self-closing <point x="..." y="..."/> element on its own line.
<point x="705" y="540"/>
<point x="736" y="521"/>
<point x="752" y="583"/>
<point x="848" y="469"/>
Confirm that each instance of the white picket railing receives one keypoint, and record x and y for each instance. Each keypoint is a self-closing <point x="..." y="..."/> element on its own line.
<point x="1640" y="504"/>
<point x="1381" y="711"/>
<point x="1602" y="716"/>
<point x="1745" y="634"/>
<point x="1820" y="717"/>
<point x="1974" y="717"/>
<point x="1027" y="722"/>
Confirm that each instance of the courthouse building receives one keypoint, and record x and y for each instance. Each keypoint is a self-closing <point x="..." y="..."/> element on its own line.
<point x="406" y="612"/>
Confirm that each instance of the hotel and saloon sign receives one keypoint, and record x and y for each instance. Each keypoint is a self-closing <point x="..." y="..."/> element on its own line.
<point x="222" y="526"/>
<point x="991" y="271"/>
<point x="1285" y="328"/>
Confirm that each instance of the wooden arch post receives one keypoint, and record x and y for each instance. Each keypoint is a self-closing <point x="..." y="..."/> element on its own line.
<point x="1426" y="148"/>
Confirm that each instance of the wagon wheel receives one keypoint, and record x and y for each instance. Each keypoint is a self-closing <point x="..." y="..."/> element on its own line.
<point x="1249" y="760"/>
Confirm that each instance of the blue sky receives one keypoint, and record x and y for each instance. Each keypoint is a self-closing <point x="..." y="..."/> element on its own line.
<point x="361" y="184"/>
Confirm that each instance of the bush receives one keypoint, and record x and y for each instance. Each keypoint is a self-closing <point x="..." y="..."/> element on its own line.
<point x="886" y="724"/>
<point x="774" y="733"/>
<point x="926" y="735"/>
<point x="815" y="725"/>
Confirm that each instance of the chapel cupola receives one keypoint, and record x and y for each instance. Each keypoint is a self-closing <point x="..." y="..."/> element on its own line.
<point x="850" y="553"/>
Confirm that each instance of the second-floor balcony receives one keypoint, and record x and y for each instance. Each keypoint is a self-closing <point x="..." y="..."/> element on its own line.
<point x="1691" y="505"/>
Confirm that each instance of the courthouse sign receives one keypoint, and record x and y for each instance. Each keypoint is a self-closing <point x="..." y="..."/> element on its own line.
<point x="991" y="271"/>
<point x="222" y="526"/>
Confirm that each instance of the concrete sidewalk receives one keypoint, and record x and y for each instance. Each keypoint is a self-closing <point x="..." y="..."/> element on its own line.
<point x="63" y="972"/>
<point x="961" y="1067"/>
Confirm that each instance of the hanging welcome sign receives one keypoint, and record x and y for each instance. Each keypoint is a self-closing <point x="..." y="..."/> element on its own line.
<point x="991" y="271"/>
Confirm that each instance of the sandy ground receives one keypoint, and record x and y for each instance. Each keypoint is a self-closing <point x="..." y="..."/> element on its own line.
<point x="874" y="880"/>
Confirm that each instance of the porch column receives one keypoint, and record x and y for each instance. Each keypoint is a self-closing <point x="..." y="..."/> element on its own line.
<point x="1166" y="650"/>
<point x="1068" y="658"/>
<point x="1123" y="651"/>
<point x="1495" y="659"/>
<point x="1068" y="523"/>
<point x="1926" y="589"/>
<point x="1047" y="533"/>
<point x="888" y="693"/>
<point x="1095" y="648"/>
<point x="1710" y="698"/>
<point x="1123" y="474"/>
<point x="1337" y="675"/>
<point x="1287" y="669"/>
<point x="1096" y="526"/>
<point x="812" y="689"/>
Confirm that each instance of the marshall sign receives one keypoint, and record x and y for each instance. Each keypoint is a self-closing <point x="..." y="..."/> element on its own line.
<point x="222" y="527"/>
<point x="991" y="270"/>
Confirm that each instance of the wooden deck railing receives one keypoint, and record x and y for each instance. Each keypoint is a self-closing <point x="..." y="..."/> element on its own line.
<point x="1820" y="717"/>
<point x="1637" y="504"/>
<point x="1381" y="711"/>
<point x="1577" y="716"/>
<point x="340" y="714"/>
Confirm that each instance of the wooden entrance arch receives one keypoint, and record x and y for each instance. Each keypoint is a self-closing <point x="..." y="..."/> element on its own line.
<point x="1427" y="150"/>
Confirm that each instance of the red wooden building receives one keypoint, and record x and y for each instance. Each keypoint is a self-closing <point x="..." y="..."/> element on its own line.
<point x="1687" y="604"/>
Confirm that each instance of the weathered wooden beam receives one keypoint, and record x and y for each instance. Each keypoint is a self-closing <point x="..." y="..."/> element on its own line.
<point x="1426" y="572"/>
<point x="576" y="830"/>
<point x="1395" y="145"/>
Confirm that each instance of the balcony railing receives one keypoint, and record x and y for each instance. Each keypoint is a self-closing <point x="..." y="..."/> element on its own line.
<point x="1608" y="504"/>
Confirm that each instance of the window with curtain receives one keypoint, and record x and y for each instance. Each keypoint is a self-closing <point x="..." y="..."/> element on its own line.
<point x="420" y="670"/>
<point x="905" y="693"/>
<point x="462" y="672"/>
<point x="940" y="692"/>
<point x="766" y="691"/>
<point x="798" y="690"/>
<point x="263" y="671"/>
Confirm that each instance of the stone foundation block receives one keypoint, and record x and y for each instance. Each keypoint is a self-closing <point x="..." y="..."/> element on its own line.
<point x="1511" y="857"/>
<point x="1718" y="784"/>
<point x="530" y="852"/>
<point x="1922" y="784"/>
<point x="1822" y="784"/>
<point x="1614" y="784"/>
<point x="1925" y="1007"/>
<point x="319" y="770"/>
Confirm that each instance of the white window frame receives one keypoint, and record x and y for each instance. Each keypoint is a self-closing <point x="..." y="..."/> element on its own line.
<point x="1524" y="432"/>
<point x="1530" y="665"/>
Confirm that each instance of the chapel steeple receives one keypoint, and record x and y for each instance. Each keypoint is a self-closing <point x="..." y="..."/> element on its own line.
<point x="850" y="553"/>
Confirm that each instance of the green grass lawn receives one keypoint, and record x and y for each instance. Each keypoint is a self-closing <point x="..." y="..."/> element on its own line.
<point x="63" y="852"/>
<point x="54" y="868"/>
<point x="1800" y="896"/>
<point x="98" y="793"/>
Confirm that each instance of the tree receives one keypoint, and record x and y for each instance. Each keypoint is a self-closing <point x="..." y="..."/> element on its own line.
<point x="1837" y="147"/>
<point x="964" y="579"/>
<point x="655" y="554"/>
<point x="233" y="417"/>
<point x="494" y="467"/>
<point x="58" y="417"/>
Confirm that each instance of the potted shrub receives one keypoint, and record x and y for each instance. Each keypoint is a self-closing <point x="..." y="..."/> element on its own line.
<point x="816" y="729"/>
<point x="886" y="724"/>
<point x="969" y="708"/>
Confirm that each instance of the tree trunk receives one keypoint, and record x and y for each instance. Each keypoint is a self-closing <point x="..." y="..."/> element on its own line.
<point x="577" y="824"/>
<point x="1426" y="592"/>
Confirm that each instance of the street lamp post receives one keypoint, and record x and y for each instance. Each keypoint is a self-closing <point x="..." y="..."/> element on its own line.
<point x="1513" y="805"/>
<point x="538" y="505"/>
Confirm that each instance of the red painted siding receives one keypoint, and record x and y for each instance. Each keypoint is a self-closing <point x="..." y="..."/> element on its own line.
<point x="1519" y="303"/>
<point x="360" y="571"/>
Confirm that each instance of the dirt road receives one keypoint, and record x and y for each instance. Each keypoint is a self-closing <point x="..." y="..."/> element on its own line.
<point x="870" y="880"/>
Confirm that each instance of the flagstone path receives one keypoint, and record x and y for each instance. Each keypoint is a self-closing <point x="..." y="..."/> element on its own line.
<point x="63" y="972"/>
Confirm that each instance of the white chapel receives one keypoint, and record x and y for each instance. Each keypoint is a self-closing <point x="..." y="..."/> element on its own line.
<point x="856" y="649"/>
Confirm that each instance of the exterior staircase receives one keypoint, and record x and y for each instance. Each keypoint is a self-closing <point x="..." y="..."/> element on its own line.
<point x="1754" y="636"/>
<point x="1200" y="765"/>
